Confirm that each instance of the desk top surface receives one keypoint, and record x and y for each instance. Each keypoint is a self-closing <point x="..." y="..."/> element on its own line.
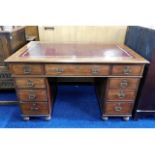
<point x="41" y="52"/>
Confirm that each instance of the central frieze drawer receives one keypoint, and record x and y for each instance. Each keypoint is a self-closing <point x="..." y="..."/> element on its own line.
<point x="32" y="95"/>
<point x="79" y="70"/>
<point x="30" y="83"/>
<point x="27" y="69"/>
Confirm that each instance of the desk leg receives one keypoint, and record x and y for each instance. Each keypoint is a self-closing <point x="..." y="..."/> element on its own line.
<point x="26" y="118"/>
<point x="47" y="118"/>
<point x="105" y="118"/>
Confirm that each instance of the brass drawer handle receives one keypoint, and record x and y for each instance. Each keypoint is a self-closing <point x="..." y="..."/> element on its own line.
<point x="117" y="109"/>
<point x="121" y="95"/>
<point x="59" y="70"/>
<point x="27" y="69"/>
<point x="30" y="84"/>
<point x="32" y="96"/>
<point x="94" y="71"/>
<point x="34" y="108"/>
<point x="34" y="104"/>
<point x="127" y="70"/>
<point x="124" y="84"/>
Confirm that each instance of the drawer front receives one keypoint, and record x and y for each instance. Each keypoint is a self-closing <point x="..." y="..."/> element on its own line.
<point x="32" y="95"/>
<point x="128" y="70"/>
<point x="33" y="108"/>
<point x="118" y="108"/>
<point x="123" y="83"/>
<point x="30" y="83"/>
<point x="120" y="95"/>
<point x="77" y="69"/>
<point x="27" y="69"/>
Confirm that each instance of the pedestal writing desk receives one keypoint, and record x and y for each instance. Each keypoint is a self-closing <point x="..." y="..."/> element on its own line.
<point x="116" y="69"/>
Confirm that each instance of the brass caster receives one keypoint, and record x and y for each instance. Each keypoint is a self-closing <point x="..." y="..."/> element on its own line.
<point x="26" y="118"/>
<point x="105" y="118"/>
<point x="126" y="118"/>
<point x="47" y="118"/>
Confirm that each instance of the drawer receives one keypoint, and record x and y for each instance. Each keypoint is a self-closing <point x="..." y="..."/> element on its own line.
<point x="113" y="94"/>
<point x="123" y="83"/>
<point x="128" y="70"/>
<point x="77" y="69"/>
<point x="30" y="83"/>
<point x="32" y="95"/>
<point x="41" y="108"/>
<point x="26" y="69"/>
<point x="118" y="108"/>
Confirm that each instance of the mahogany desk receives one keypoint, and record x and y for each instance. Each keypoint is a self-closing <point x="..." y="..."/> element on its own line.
<point x="116" y="69"/>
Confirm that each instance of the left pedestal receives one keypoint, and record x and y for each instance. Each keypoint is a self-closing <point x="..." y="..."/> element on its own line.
<point x="33" y="90"/>
<point x="34" y="97"/>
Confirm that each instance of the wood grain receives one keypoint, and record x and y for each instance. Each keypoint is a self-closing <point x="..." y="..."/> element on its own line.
<point x="127" y="70"/>
<point x="120" y="67"/>
<point x="35" y="108"/>
<point x="118" y="108"/>
<point x="77" y="69"/>
<point x="75" y="53"/>
<point x="123" y="83"/>
<point x="115" y="95"/>
<point x="30" y="83"/>
<point x="32" y="95"/>
<point x="26" y="69"/>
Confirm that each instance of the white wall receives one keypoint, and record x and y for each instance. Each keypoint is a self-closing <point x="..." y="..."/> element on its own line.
<point x="84" y="34"/>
